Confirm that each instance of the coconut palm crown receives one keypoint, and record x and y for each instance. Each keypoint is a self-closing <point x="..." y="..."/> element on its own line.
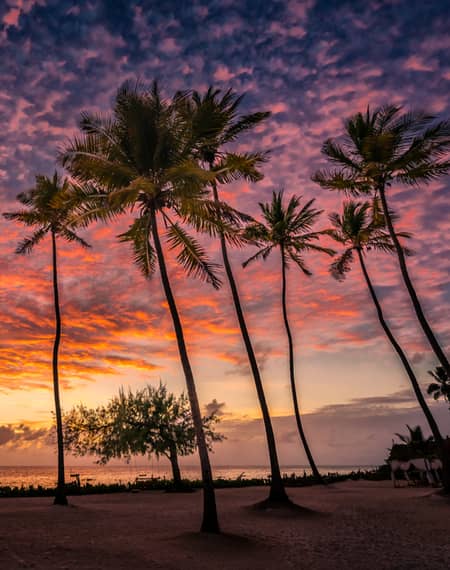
<point x="217" y="124"/>
<point x="361" y="227"/>
<point x="48" y="209"/>
<point x="288" y="228"/>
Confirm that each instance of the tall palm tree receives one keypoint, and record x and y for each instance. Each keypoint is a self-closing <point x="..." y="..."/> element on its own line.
<point x="361" y="228"/>
<point x="217" y="122"/>
<point x="141" y="158"/>
<point x="49" y="211"/>
<point x="288" y="228"/>
<point x="383" y="148"/>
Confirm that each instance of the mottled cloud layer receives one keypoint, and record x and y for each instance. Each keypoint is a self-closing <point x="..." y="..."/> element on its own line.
<point x="309" y="62"/>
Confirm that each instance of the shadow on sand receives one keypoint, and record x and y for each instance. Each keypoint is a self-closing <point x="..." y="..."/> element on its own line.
<point x="283" y="509"/>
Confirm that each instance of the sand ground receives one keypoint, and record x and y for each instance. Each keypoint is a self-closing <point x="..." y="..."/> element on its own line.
<point x="357" y="525"/>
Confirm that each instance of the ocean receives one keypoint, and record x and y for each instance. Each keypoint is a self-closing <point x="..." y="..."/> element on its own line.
<point x="96" y="474"/>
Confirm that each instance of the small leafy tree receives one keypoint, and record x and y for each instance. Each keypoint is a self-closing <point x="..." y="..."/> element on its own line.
<point x="150" y="421"/>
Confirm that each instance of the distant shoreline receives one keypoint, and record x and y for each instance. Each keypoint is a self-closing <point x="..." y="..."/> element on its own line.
<point x="150" y="483"/>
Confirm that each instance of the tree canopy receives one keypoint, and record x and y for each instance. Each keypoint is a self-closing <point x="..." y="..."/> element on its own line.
<point x="149" y="421"/>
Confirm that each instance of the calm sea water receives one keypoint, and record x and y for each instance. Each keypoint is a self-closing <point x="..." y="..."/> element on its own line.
<point x="94" y="474"/>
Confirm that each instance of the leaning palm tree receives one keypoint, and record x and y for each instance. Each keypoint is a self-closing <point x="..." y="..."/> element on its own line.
<point x="289" y="229"/>
<point x="383" y="148"/>
<point x="49" y="211"/>
<point x="141" y="158"/>
<point x="361" y="228"/>
<point x="217" y="122"/>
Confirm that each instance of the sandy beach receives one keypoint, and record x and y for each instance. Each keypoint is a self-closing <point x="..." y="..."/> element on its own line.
<point x="355" y="525"/>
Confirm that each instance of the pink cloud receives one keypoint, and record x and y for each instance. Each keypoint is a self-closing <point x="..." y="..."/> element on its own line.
<point x="223" y="73"/>
<point x="279" y="107"/>
<point x="11" y="18"/>
<point x="417" y="63"/>
<point x="169" y="46"/>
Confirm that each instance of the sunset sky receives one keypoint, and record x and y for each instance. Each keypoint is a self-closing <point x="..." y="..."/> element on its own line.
<point x="311" y="63"/>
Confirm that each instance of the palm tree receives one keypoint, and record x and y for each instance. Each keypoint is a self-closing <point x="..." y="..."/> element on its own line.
<point x="361" y="228"/>
<point x="415" y="437"/>
<point x="383" y="148"/>
<point x="217" y="123"/>
<point x="141" y="158"/>
<point x="49" y="210"/>
<point x="441" y="385"/>
<point x="289" y="229"/>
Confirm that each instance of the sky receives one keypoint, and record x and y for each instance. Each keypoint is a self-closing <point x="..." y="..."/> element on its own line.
<point x="312" y="64"/>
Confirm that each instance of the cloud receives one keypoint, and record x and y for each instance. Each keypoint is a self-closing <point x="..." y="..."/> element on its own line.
<point x="215" y="407"/>
<point x="23" y="436"/>
<point x="357" y="432"/>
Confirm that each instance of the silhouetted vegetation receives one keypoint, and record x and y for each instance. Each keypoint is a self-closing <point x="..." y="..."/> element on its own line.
<point x="381" y="473"/>
<point x="150" y="421"/>
<point x="440" y="388"/>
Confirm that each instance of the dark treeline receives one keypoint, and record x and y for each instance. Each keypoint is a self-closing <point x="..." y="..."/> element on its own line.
<point x="167" y="160"/>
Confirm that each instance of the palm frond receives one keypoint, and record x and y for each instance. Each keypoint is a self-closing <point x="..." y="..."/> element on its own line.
<point x="27" y="245"/>
<point x="243" y="124"/>
<point x="234" y="166"/>
<point x="306" y="245"/>
<point x="84" y="161"/>
<point x="191" y="255"/>
<point x="335" y="153"/>
<point x="256" y="233"/>
<point x="426" y="171"/>
<point x="213" y="217"/>
<point x="299" y="261"/>
<point x="189" y="171"/>
<point x="27" y="217"/>
<point x="143" y="253"/>
<point x="71" y="236"/>
<point x="340" y="180"/>
<point x="342" y="265"/>
<point x="263" y="252"/>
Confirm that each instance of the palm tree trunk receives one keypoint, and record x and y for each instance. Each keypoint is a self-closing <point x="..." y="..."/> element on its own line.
<point x="434" y="343"/>
<point x="316" y="474"/>
<point x="441" y="442"/>
<point x="210" y="521"/>
<point x="277" y="490"/>
<point x="176" y="473"/>
<point x="60" y="494"/>
<point x="398" y="349"/>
